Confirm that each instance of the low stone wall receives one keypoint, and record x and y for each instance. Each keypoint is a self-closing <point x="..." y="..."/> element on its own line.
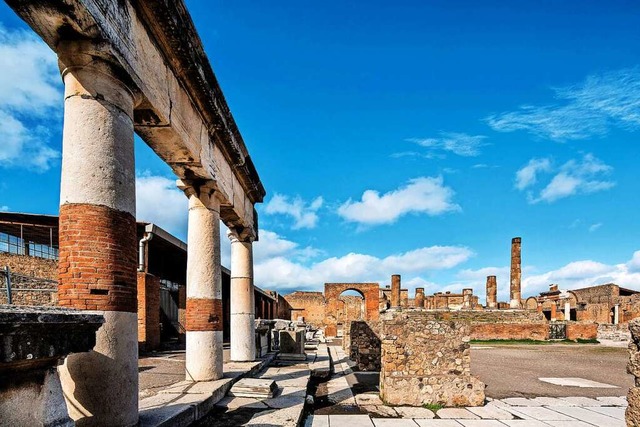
<point x="33" y="280"/>
<point x="633" y="397"/>
<point x="427" y="361"/>
<point x="509" y="331"/>
<point x="585" y="331"/>
<point x="30" y="266"/>
<point x="608" y="331"/>
<point x="365" y="346"/>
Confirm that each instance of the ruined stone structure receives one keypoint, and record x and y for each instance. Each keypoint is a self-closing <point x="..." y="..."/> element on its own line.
<point x="427" y="361"/>
<point x="363" y="344"/>
<point x="452" y="301"/>
<point x="333" y="304"/>
<point x="308" y="306"/>
<point x="516" y="273"/>
<point x="492" y="292"/>
<point x="633" y="397"/>
<point x="140" y="67"/>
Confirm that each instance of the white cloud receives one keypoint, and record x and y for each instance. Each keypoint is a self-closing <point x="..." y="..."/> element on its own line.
<point x="580" y="274"/>
<point x="457" y="143"/>
<point x="30" y="92"/>
<point x="577" y="176"/>
<point x="159" y="201"/>
<point x="528" y="174"/>
<point x="304" y="214"/>
<point x="594" y="227"/>
<point x="287" y="271"/>
<point x="4" y="208"/>
<point x="583" y="110"/>
<point x="421" y="195"/>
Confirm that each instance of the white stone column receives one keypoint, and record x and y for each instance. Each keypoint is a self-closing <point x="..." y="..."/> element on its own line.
<point x="616" y="314"/>
<point x="567" y="311"/>
<point x="97" y="268"/>
<point x="204" y="351"/>
<point x="243" y="342"/>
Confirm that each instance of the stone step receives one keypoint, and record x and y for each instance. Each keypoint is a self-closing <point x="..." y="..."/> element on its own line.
<point x="254" y="387"/>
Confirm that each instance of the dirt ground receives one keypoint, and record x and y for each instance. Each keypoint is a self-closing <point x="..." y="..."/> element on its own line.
<point x="513" y="370"/>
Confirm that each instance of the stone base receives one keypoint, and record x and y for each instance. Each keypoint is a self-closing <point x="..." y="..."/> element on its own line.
<point x="292" y="356"/>
<point x="445" y="390"/>
<point x="254" y="387"/>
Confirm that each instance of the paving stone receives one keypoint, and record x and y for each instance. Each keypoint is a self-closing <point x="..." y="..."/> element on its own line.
<point x="551" y="401"/>
<point x="610" y="411"/>
<point x="613" y="401"/>
<point x="380" y="410"/>
<point x="481" y="423"/>
<point x="539" y="413"/>
<point x="414" y="412"/>
<point x="519" y="401"/>
<point x="457" y="413"/>
<point x="393" y="422"/>
<point x="576" y="382"/>
<point x="438" y="423"/>
<point x="317" y="421"/>
<point x="491" y="412"/>
<point x="575" y="423"/>
<point x="499" y="403"/>
<point x="582" y="401"/>
<point x="350" y="420"/>
<point x="525" y="423"/>
<point x="233" y="403"/>
<point x="368" y="399"/>
<point x="591" y="417"/>
<point x="254" y="387"/>
<point x="287" y="417"/>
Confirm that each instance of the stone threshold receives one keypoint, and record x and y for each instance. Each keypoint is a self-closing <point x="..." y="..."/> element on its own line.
<point x="183" y="403"/>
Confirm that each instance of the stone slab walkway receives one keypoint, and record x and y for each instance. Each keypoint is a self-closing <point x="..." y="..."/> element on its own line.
<point x="513" y="412"/>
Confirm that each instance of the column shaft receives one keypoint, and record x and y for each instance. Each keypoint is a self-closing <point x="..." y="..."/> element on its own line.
<point x="204" y="351"/>
<point x="419" y="300"/>
<point x="516" y="273"/>
<point x="97" y="263"/>
<point x="243" y="344"/>
<point x="492" y="292"/>
<point x="395" y="291"/>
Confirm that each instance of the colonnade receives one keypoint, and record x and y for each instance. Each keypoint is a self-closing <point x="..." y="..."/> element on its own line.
<point x="98" y="248"/>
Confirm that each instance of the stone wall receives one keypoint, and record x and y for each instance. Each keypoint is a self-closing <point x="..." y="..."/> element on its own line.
<point x="620" y="332"/>
<point x="585" y="331"/>
<point x="427" y="361"/>
<point x="148" y="312"/>
<point x="633" y="397"/>
<point x="364" y="346"/>
<point x="39" y="288"/>
<point x="309" y="305"/>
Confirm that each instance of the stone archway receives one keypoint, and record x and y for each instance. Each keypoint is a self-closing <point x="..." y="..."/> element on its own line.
<point x="369" y="291"/>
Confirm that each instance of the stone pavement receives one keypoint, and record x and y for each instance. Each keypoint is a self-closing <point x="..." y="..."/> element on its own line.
<point x="513" y="412"/>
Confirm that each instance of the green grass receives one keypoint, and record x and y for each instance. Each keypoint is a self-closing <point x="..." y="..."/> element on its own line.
<point x="533" y="342"/>
<point x="433" y="407"/>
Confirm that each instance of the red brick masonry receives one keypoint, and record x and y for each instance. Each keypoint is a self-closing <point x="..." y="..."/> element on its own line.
<point x="98" y="251"/>
<point x="204" y="314"/>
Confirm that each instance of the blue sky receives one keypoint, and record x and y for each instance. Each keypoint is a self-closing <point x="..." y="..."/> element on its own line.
<point x="406" y="137"/>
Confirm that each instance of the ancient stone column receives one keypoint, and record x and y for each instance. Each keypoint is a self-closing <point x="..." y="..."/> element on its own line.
<point x="395" y="291"/>
<point x="492" y="292"/>
<point x="554" y="310"/>
<point x="204" y="285"/>
<point x="419" y="299"/>
<point x="516" y="273"/>
<point x="98" y="247"/>
<point x="567" y="311"/>
<point x="243" y="342"/>
<point x="616" y="314"/>
<point x="467" y="293"/>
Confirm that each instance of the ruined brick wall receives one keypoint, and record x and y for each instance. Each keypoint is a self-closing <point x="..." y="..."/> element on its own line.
<point x="333" y="305"/>
<point x="598" y="294"/>
<point x="148" y="312"/>
<point x="310" y="305"/>
<point x="499" y="324"/>
<point x="585" y="331"/>
<point x="365" y="347"/>
<point x="283" y="308"/>
<point x="427" y="361"/>
<point x="39" y="288"/>
<point x="353" y="308"/>
<point x="611" y="332"/>
<point x="629" y="308"/>
<point x="595" y="312"/>
<point x="633" y="397"/>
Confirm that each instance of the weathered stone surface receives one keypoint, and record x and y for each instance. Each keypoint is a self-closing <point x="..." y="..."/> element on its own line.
<point x="291" y="342"/>
<point x="632" y="414"/>
<point x="365" y="349"/>
<point x="427" y="361"/>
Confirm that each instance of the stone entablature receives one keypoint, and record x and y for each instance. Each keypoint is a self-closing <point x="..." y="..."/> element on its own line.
<point x="427" y="361"/>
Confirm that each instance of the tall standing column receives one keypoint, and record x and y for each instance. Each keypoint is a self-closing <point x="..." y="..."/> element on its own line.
<point x="204" y="286"/>
<point x="243" y="342"/>
<point x="492" y="292"/>
<point x="516" y="273"/>
<point x="98" y="248"/>
<point x="567" y="311"/>
<point x="395" y="291"/>
<point x="467" y="293"/>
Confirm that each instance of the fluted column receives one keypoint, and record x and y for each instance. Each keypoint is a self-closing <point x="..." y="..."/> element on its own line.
<point x="97" y="262"/>
<point x="204" y="352"/>
<point x="243" y="344"/>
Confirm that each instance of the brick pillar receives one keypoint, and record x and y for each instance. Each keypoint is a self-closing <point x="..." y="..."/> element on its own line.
<point x="467" y="293"/>
<point x="98" y="247"/>
<point x="148" y="312"/>
<point x="492" y="292"/>
<point x="516" y="273"/>
<point x="204" y="285"/>
<point x="395" y="291"/>
<point x="419" y="300"/>
<point x="553" y="312"/>
<point x="243" y="347"/>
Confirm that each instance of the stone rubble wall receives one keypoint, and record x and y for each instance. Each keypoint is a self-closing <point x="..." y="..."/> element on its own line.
<point x="365" y="347"/>
<point x="633" y="397"/>
<point x="608" y="331"/>
<point x="427" y="361"/>
<point x="40" y="288"/>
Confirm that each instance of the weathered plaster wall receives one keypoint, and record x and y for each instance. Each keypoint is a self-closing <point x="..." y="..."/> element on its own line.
<point x="309" y="305"/>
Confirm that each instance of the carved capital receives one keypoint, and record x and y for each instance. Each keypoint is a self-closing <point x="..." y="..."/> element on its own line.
<point x="241" y="234"/>
<point x="201" y="193"/>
